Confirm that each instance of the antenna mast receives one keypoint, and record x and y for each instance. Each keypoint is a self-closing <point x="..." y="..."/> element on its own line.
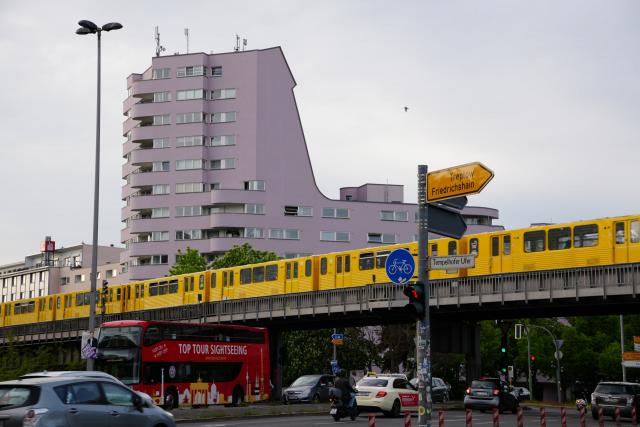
<point x="237" y="48"/>
<point x="186" y="34"/>
<point x="159" y="49"/>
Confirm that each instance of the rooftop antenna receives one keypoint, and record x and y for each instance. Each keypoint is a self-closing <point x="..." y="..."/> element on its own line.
<point x="237" y="48"/>
<point x="159" y="49"/>
<point x="186" y="34"/>
<point x="244" y="44"/>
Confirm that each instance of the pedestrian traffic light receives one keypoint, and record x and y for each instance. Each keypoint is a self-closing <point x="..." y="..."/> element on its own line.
<point x="416" y="306"/>
<point x="533" y="358"/>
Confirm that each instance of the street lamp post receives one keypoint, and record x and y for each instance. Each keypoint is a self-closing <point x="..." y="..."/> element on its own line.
<point x="88" y="27"/>
<point x="556" y="344"/>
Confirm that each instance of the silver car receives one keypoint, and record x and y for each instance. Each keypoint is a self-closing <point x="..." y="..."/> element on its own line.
<point x="76" y="402"/>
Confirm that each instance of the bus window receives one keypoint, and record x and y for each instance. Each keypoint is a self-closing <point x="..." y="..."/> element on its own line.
<point x="307" y="268"/>
<point x="453" y="248"/>
<point x="585" y="236"/>
<point x="506" y="245"/>
<point x="323" y="266"/>
<point x="271" y="272"/>
<point x="534" y="241"/>
<point x="366" y="261"/>
<point x="560" y="238"/>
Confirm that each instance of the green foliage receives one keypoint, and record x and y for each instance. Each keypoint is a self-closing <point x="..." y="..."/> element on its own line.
<point x="242" y="255"/>
<point x="397" y="347"/>
<point x="189" y="262"/>
<point x="16" y="361"/>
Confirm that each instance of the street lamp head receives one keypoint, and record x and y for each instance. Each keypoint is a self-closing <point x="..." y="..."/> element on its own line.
<point x="111" y="26"/>
<point x="88" y="25"/>
<point x="83" y="31"/>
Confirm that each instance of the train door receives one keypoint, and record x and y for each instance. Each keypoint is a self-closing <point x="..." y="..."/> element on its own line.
<point x="500" y="259"/>
<point x="200" y="287"/>
<point x="140" y="294"/>
<point x="339" y="271"/>
<point x="228" y="290"/>
<point x="189" y="287"/>
<point x="215" y="288"/>
<point x="627" y="241"/>
<point x="291" y="274"/>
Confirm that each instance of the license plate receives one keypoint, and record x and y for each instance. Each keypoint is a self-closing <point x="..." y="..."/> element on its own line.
<point x="363" y="393"/>
<point x="481" y="393"/>
<point x="333" y="411"/>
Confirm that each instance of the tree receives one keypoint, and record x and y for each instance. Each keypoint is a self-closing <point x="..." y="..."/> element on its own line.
<point x="397" y="347"/>
<point x="242" y="255"/>
<point x="189" y="262"/>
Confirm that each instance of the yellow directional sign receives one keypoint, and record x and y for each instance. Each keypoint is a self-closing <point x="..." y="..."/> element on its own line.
<point x="457" y="181"/>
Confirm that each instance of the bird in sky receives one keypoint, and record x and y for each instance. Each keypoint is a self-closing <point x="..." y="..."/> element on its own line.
<point x="406" y="109"/>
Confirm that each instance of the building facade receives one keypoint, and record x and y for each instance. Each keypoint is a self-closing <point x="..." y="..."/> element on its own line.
<point x="215" y="156"/>
<point x="58" y="271"/>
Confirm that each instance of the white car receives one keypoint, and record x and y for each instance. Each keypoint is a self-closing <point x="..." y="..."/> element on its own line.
<point x="391" y="395"/>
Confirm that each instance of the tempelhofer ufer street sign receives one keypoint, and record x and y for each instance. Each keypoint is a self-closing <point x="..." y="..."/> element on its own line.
<point x="452" y="262"/>
<point x="457" y="181"/>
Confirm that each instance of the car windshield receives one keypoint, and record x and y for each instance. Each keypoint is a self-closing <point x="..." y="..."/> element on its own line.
<point x="613" y="389"/>
<point x="373" y="382"/>
<point x="482" y="384"/>
<point x="17" y="396"/>
<point x="307" y="380"/>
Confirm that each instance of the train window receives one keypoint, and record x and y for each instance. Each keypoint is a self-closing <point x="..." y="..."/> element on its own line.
<point x="295" y="270"/>
<point x="153" y="289"/>
<point x="272" y="272"/>
<point x="473" y="246"/>
<point x="366" y="261"/>
<point x="78" y="300"/>
<point x="434" y="249"/>
<point x="173" y="286"/>
<point x="585" y="236"/>
<point x="339" y="264"/>
<point x="258" y="274"/>
<point x="307" y="268"/>
<point x="142" y="290"/>
<point x="245" y="276"/>
<point x="495" y="246"/>
<point x="50" y="303"/>
<point x="58" y="303"/>
<point x="137" y="291"/>
<point x="323" y="266"/>
<point x="118" y="294"/>
<point x="201" y="284"/>
<point x="213" y="280"/>
<point x="452" y="248"/>
<point x="560" y="238"/>
<point x="634" y="226"/>
<point x="347" y="264"/>
<point x="288" y="270"/>
<point x="381" y="258"/>
<point x="506" y="245"/>
<point x="534" y="241"/>
<point x="224" y="279"/>
<point x="620" y="238"/>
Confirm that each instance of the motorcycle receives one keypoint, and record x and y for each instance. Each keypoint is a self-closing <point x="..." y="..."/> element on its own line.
<point x="340" y="409"/>
<point x="581" y="404"/>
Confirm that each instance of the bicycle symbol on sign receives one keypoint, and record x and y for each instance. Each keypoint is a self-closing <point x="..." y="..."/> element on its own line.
<point x="400" y="266"/>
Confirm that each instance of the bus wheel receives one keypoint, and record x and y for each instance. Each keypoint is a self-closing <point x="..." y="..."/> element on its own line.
<point x="171" y="399"/>
<point x="237" y="396"/>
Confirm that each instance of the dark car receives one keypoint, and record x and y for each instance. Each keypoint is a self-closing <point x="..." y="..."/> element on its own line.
<point x="489" y="393"/>
<point x="611" y="395"/>
<point x="440" y="390"/>
<point x="76" y="402"/>
<point x="308" y="388"/>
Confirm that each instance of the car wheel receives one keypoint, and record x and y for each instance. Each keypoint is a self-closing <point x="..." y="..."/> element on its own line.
<point x="336" y="418"/>
<point x="236" y="397"/>
<point x="395" y="409"/>
<point x="316" y="398"/>
<point x="171" y="399"/>
<point x="445" y="397"/>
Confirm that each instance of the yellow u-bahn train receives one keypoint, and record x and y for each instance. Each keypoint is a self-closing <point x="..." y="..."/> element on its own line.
<point x="607" y="241"/>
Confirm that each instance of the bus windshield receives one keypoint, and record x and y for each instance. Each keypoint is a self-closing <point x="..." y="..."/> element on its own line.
<point x="119" y="353"/>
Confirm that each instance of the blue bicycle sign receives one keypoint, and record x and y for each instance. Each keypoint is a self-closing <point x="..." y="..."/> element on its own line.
<point x="400" y="266"/>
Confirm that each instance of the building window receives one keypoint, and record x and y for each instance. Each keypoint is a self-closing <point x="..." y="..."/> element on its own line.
<point x="335" y="213"/>
<point x="189" y="141"/>
<point x="223" y="94"/>
<point x="185" y="95"/>
<point x="161" y="96"/>
<point x="188" y="234"/>
<point x="215" y="186"/>
<point x="194" y="117"/>
<point x="79" y="278"/>
<point x="284" y="233"/>
<point x="381" y="238"/>
<point x="190" y="187"/>
<point x="254" y="209"/>
<point x="160" y="142"/>
<point x="160" y="189"/>
<point x="164" y="119"/>
<point x="160" y="167"/>
<point x="194" y="70"/>
<point x="160" y="213"/>
<point x="159" y="259"/>
<point x="64" y="281"/>
<point x="188" y="211"/>
<point x="161" y="73"/>
<point x="253" y="233"/>
<point x="159" y="236"/>
<point x="394" y="215"/>
<point x="188" y="164"/>
<point x="298" y="211"/>
<point x="223" y="164"/>
<point x="254" y="185"/>
<point x="216" y="71"/>
<point x="335" y="236"/>
<point x="229" y="116"/>
<point x="221" y="140"/>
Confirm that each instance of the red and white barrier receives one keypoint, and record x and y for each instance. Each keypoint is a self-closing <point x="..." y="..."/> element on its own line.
<point x="616" y="415"/>
<point x="600" y="417"/>
<point x="520" y="417"/>
<point x="583" y="417"/>
<point x="496" y="417"/>
<point x="372" y="420"/>
<point x="634" y="417"/>
<point x="441" y="418"/>
<point x="407" y="419"/>
<point x="563" y="416"/>
<point x="469" y="418"/>
<point x="543" y="417"/>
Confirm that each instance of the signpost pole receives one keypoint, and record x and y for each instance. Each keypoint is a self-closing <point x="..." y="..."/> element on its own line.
<point x="423" y="327"/>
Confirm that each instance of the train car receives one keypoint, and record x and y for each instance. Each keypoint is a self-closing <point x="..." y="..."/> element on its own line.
<point x="21" y="312"/>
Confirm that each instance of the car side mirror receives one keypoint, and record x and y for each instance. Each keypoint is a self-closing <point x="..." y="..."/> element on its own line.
<point x="137" y="402"/>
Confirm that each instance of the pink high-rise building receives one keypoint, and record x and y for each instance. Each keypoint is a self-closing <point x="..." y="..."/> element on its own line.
<point x="216" y="156"/>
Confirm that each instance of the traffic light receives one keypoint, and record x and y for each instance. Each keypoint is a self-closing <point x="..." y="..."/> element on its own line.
<point x="503" y="344"/>
<point x="416" y="306"/>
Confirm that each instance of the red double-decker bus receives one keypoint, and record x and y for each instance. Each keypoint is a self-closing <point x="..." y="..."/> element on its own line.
<point x="180" y="364"/>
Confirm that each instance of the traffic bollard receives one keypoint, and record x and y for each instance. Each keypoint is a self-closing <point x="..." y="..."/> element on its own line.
<point x="520" y="417"/>
<point x="583" y="417"/>
<point x="563" y="416"/>
<point x="496" y="417"/>
<point x="600" y="417"/>
<point x="372" y="420"/>
<point x="543" y="417"/>
<point x="634" y="417"/>
<point x="407" y="419"/>
<point x="616" y="415"/>
<point x="469" y="418"/>
<point x="440" y="418"/>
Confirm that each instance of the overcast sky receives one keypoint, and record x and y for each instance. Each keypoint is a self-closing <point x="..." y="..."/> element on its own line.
<point x="546" y="93"/>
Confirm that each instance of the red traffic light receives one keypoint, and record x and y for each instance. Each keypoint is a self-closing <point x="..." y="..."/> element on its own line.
<point x="533" y="358"/>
